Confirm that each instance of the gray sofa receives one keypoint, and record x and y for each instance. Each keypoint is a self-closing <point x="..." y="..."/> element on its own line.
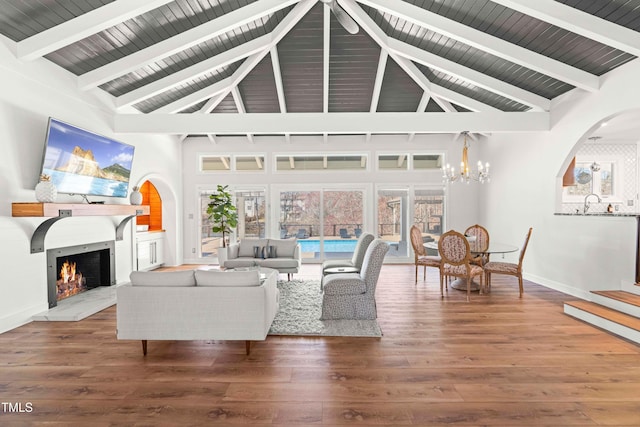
<point x="197" y="305"/>
<point x="283" y="255"/>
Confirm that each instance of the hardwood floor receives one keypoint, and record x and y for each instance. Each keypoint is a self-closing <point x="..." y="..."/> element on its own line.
<point x="496" y="361"/>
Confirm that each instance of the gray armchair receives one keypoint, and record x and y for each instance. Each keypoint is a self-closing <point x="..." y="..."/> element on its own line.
<point x="364" y="241"/>
<point x="352" y="295"/>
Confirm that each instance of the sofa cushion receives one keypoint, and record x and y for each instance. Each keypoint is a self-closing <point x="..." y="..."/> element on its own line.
<point x="241" y="262"/>
<point x="277" y="263"/>
<point x="246" y="246"/>
<point x="227" y="278"/>
<point x="284" y="248"/>
<point x="164" y="278"/>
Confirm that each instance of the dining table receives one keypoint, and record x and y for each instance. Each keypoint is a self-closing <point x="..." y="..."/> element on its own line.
<point x="494" y="248"/>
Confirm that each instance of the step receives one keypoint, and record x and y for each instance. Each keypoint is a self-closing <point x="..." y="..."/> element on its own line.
<point x="625" y="297"/>
<point x="614" y="321"/>
<point x="622" y="301"/>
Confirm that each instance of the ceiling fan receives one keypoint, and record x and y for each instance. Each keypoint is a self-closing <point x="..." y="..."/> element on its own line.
<point x="342" y="16"/>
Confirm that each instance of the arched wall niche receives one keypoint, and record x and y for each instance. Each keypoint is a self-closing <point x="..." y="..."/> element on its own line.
<point x="616" y="129"/>
<point x="170" y="217"/>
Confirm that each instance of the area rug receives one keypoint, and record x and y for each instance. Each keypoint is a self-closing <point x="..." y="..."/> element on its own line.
<point x="300" y="309"/>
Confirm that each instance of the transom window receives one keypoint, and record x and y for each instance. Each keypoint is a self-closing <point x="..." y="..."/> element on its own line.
<point x="226" y="163"/>
<point x="329" y="162"/>
<point x="427" y="161"/>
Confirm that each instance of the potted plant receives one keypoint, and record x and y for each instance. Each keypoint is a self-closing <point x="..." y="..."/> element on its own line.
<point x="224" y="217"/>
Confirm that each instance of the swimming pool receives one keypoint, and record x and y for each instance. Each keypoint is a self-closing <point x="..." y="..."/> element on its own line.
<point x="308" y="245"/>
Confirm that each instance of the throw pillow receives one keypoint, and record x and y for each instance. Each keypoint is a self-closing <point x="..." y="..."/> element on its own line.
<point x="272" y="252"/>
<point x="258" y="252"/>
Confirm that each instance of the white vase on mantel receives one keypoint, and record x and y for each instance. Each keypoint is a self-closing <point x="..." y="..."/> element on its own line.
<point x="136" y="196"/>
<point x="46" y="191"/>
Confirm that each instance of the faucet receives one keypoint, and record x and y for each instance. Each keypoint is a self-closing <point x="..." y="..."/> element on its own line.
<point x="588" y="204"/>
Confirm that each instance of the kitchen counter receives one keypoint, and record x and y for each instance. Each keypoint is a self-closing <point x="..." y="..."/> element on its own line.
<point x="616" y="215"/>
<point x="602" y="214"/>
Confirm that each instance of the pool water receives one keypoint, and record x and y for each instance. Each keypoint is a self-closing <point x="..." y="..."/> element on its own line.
<point x="307" y="245"/>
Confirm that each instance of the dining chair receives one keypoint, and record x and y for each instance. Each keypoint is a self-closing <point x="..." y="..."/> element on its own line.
<point x="456" y="260"/>
<point x="481" y="243"/>
<point x="420" y="253"/>
<point x="508" y="268"/>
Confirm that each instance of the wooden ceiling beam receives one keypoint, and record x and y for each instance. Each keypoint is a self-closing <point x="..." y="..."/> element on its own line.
<point x="578" y="22"/>
<point x="483" y="41"/>
<point x="85" y="25"/>
<point x="332" y="123"/>
<point x="182" y="41"/>
<point x="201" y="68"/>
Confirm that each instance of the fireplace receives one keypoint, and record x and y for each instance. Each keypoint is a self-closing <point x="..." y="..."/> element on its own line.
<point x="75" y="269"/>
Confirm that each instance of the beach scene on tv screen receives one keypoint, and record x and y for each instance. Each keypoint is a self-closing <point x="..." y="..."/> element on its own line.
<point x="81" y="162"/>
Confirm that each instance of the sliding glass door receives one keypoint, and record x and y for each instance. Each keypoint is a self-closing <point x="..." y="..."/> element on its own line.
<point x="251" y="206"/>
<point x="392" y="220"/>
<point x="326" y="223"/>
<point x="342" y="222"/>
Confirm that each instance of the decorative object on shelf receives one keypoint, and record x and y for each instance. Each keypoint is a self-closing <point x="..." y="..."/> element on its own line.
<point x="222" y="213"/>
<point x="46" y="191"/>
<point x="584" y="177"/>
<point x="136" y="196"/>
<point x="465" y="174"/>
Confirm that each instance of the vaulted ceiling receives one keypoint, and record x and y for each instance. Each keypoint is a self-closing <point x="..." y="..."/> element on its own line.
<point x="221" y="67"/>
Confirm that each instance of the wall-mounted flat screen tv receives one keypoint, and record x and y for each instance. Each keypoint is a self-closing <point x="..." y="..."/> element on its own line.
<point x="82" y="162"/>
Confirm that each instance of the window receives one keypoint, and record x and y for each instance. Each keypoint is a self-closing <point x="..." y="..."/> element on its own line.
<point x="251" y="205"/>
<point x="226" y="163"/>
<point x="215" y="163"/>
<point x="250" y="163"/>
<point x="329" y="162"/>
<point x="393" y="162"/>
<point x="393" y="220"/>
<point x="591" y="176"/>
<point x="427" y="161"/>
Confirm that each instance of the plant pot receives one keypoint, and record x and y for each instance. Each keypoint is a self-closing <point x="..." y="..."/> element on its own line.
<point x="222" y="256"/>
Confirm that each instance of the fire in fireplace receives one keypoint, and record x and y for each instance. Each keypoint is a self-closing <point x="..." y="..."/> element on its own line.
<point x="75" y="269"/>
<point x="70" y="282"/>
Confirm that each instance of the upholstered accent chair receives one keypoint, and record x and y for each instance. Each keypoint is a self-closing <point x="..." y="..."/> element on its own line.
<point x="456" y="260"/>
<point x="352" y="295"/>
<point x="364" y="241"/>
<point x="481" y="236"/>
<point x="420" y="253"/>
<point x="508" y="268"/>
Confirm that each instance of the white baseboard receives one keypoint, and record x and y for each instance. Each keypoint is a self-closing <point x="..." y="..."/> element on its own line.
<point x="23" y="317"/>
<point x="561" y="287"/>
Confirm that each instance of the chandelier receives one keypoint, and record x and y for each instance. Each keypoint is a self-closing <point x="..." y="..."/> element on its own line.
<point x="465" y="174"/>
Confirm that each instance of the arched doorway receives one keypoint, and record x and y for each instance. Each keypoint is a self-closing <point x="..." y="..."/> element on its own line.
<point x="151" y="197"/>
<point x="163" y="216"/>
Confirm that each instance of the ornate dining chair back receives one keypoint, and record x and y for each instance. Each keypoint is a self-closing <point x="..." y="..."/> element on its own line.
<point x="416" y="241"/>
<point x="481" y="243"/>
<point x="508" y="268"/>
<point x="524" y="249"/>
<point x="420" y="253"/>
<point x="456" y="259"/>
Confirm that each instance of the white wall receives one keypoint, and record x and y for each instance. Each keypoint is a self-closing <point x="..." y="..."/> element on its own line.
<point x="570" y="253"/>
<point x="30" y="92"/>
<point x="462" y="204"/>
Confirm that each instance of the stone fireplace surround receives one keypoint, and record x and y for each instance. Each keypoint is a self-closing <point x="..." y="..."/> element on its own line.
<point x="96" y="261"/>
